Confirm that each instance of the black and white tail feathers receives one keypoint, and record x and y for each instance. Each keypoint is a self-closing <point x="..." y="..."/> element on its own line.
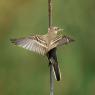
<point x="56" y="69"/>
<point x="53" y="60"/>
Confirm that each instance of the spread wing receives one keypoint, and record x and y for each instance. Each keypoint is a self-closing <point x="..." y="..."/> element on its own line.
<point x="60" y="40"/>
<point x="32" y="43"/>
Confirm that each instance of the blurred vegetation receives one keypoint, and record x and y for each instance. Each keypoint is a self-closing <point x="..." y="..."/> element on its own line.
<point x="26" y="73"/>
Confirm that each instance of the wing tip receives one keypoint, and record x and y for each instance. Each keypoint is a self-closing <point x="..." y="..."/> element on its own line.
<point x="68" y="39"/>
<point x="14" y="41"/>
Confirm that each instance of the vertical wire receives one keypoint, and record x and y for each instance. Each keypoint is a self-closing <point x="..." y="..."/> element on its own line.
<point x="51" y="65"/>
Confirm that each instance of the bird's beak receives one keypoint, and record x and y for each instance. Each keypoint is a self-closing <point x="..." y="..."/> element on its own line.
<point x="60" y="29"/>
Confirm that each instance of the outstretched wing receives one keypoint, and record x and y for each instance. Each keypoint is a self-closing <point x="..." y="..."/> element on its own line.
<point x="32" y="43"/>
<point x="60" y="40"/>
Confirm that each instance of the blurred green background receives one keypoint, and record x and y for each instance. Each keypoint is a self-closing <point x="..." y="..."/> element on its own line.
<point x="26" y="73"/>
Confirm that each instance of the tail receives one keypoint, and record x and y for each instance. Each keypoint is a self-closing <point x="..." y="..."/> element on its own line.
<point x="56" y="69"/>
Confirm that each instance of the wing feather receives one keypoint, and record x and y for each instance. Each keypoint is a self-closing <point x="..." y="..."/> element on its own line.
<point x="60" y="40"/>
<point x="32" y="43"/>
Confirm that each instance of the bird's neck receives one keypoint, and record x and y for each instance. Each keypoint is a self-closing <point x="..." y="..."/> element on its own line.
<point x="52" y="35"/>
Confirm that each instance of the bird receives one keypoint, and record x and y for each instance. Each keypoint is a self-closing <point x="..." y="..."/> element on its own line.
<point x="45" y="45"/>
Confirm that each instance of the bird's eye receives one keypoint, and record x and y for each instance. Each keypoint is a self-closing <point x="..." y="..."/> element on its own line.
<point x="56" y="28"/>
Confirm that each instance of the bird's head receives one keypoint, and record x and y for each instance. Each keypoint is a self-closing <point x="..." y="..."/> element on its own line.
<point x="55" y="29"/>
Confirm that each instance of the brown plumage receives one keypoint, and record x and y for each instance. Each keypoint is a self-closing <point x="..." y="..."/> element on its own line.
<point x="42" y="44"/>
